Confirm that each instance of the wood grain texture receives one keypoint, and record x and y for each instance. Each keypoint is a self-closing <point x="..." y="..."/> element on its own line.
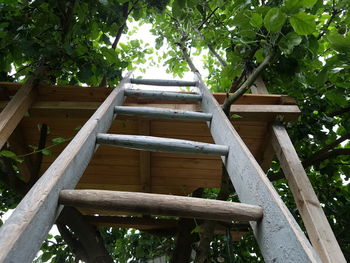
<point x="315" y="221"/>
<point x="162" y="205"/>
<point x="162" y="95"/>
<point x="158" y="144"/>
<point x="145" y="158"/>
<point x="163" y="113"/>
<point x="35" y="214"/>
<point x="278" y="235"/>
<point x="14" y="111"/>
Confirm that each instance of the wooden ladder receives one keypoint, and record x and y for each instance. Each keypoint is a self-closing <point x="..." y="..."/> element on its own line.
<point x="278" y="235"/>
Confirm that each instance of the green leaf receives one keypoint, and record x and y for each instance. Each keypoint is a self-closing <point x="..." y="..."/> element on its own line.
<point x="94" y="30"/>
<point x="235" y="116"/>
<point x="339" y="43"/>
<point x="58" y="140"/>
<point x="289" y="41"/>
<point x="308" y="3"/>
<point x="256" y="20"/>
<point x="303" y="24"/>
<point x="274" y="20"/>
<point x="46" y="257"/>
<point x="259" y="55"/>
<point x="197" y="229"/>
<point x="8" y="154"/>
<point x="45" y="152"/>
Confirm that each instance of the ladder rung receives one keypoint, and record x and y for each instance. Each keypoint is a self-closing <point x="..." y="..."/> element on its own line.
<point x="163" y="95"/>
<point x="161" y="205"/>
<point x="150" y="143"/>
<point x="163" y="113"/>
<point x="163" y="82"/>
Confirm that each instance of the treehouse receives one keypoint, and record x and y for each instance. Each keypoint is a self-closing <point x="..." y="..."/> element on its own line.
<point x="48" y="117"/>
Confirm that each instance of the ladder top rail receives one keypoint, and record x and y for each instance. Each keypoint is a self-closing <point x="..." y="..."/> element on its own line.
<point x="163" y="82"/>
<point x="163" y="113"/>
<point x="278" y="234"/>
<point x="157" y="144"/>
<point x="23" y="233"/>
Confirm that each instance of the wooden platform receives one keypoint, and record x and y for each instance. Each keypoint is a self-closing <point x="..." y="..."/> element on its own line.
<point x="65" y="108"/>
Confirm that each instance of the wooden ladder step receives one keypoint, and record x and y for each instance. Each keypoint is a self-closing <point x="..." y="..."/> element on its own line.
<point x="157" y="144"/>
<point x="163" y="95"/>
<point x="160" y="205"/>
<point x="163" y="82"/>
<point x="163" y="113"/>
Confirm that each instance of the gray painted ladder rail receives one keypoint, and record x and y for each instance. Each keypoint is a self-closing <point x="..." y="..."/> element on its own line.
<point x="163" y="82"/>
<point x="279" y="236"/>
<point x="162" y="95"/>
<point x="157" y="144"/>
<point x="163" y="113"/>
<point x="160" y="205"/>
<point x="23" y="233"/>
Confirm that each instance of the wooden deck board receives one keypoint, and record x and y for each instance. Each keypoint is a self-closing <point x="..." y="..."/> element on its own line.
<point x="66" y="108"/>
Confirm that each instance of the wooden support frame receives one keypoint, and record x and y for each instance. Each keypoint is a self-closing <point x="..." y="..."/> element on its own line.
<point x="160" y="205"/>
<point x="36" y="213"/>
<point x="315" y="221"/>
<point x="14" y="111"/>
<point x="278" y="234"/>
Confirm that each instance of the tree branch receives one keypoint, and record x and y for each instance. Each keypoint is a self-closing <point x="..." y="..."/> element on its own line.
<point x="247" y="84"/>
<point x="324" y="156"/>
<point x="212" y="50"/>
<point x="207" y="18"/>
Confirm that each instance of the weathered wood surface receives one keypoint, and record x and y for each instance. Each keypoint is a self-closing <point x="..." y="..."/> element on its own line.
<point x="163" y="95"/>
<point x="35" y="214"/>
<point x="14" y="111"/>
<point x="85" y="109"/>
<point x="145" y="159"/>
<point x="278" y="234"/>
<point x="62" y="93"/>
<point x="315" y="221"/>
<point x="157" y="144"/>
<point x="161" y="205"/>
<point x="163" y="82"/>
<point x="163" y="113"/>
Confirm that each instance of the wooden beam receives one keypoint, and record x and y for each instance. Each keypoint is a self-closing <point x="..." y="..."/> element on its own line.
<point x="161" y="205"/>
<point x="278" y="234"/>
<point x="158" y="144"/>
<point x="315" y="221"/>
<point x="14" y="111"/>
<point x="145" y="158"/>
<point x="36" y="213"/>
<point x="266" y="112"/>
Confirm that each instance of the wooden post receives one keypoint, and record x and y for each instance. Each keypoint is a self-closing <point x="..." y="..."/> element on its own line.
<point x="14" y="111"/>
<point x="315" y="221"/>
<point x="278" y="234"/>
<point x="161" y="205"/>
<point x="23" y="233"/>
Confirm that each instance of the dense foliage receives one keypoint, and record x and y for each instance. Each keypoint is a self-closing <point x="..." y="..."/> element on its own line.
<point x="310" y="43"/>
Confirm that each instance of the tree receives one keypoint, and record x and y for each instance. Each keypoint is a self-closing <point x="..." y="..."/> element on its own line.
<point x="302" y="47"/>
